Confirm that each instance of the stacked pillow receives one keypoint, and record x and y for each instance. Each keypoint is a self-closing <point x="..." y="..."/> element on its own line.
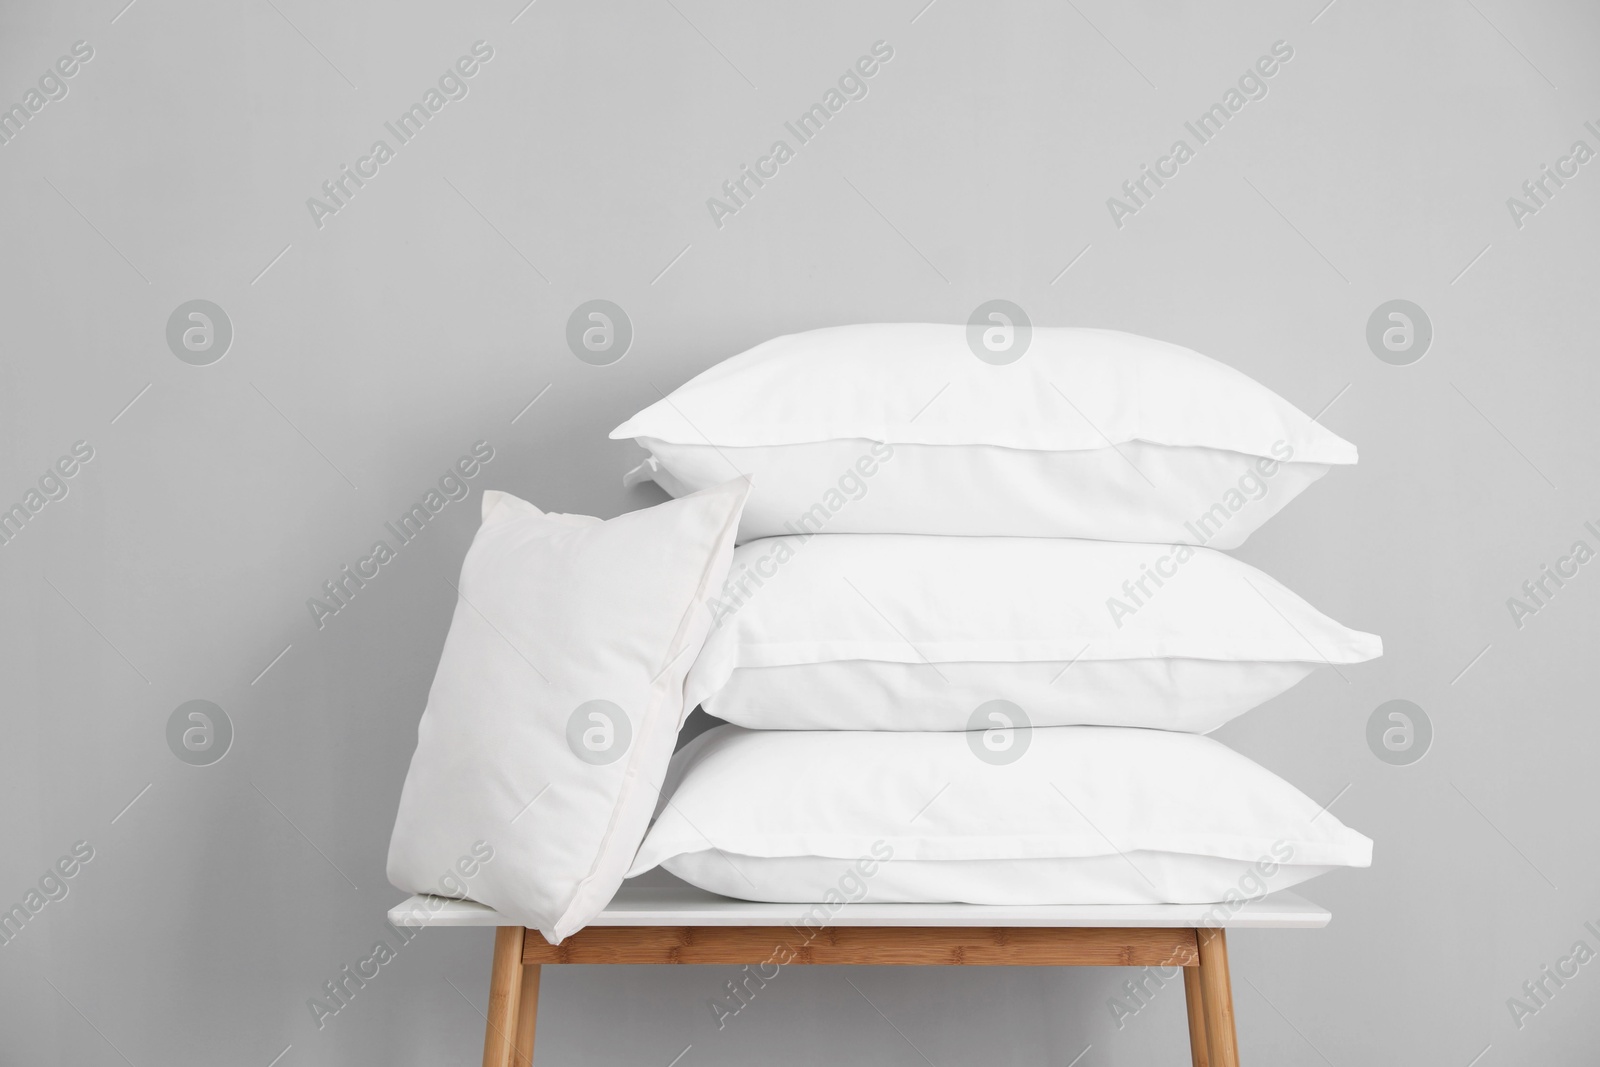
<point x="899" y="428"/>
<point x="912" y="632"/>
<point x="978" y="622"/>
<point x="1087" y="815"/>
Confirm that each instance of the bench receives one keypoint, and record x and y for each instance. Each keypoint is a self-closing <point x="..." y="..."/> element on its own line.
<point x="682" y="925"/>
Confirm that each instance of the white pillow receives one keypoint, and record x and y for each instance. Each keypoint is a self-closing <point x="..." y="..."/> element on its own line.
<point x="557" y="702"/>
<point x="1083" y="815"/>
<point x="915" y="632"/>
<point x="900" y="428"/>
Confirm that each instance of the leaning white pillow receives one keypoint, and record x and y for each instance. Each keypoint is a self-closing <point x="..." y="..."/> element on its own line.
<point x="1066" y="815"/>
<point x="557" y="702"/>
<point x="900" y="428"/>
<point x="916" y="632"/>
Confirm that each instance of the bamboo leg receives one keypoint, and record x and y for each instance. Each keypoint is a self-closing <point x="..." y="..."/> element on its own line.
<point x="1217" y="995"/>
<point x="505" y="997"/>
<point x="527" y="1015"/>
<point x="1192" y="996"/>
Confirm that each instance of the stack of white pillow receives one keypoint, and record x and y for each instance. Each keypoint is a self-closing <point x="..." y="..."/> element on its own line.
<point x="978" y="622"/>
<point x="968" y="647"/>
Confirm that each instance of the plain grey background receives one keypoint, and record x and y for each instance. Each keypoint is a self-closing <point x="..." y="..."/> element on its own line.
<point x="370" y="353"/>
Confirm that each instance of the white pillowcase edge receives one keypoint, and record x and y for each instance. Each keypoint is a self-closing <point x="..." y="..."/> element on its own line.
<point x="1354" y="850"/>
<point x="1336" y="452"/>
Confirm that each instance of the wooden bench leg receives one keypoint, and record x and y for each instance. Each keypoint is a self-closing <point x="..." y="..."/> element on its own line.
<point x="527" y="1015"/>
<point x="1199" y="1046"/>
<point x="505" y="998"/>
<point x="1216" y="994"/>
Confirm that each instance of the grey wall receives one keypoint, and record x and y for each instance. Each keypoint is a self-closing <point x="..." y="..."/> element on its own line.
<point x="426" y="313"/>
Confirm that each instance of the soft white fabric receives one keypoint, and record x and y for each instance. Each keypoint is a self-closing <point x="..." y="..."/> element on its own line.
<point x="553" y="612"/>
<point x="1194" y="695"/>
<point x="783" y="815"/>
<point x="1134" y="492"/>
<point x="899" y="428"/>
<point x="1140" y="877"/>
<point x="914" y="632"/>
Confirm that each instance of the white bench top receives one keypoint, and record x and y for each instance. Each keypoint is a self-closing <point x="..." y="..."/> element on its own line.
<point x="686" y="906"/>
